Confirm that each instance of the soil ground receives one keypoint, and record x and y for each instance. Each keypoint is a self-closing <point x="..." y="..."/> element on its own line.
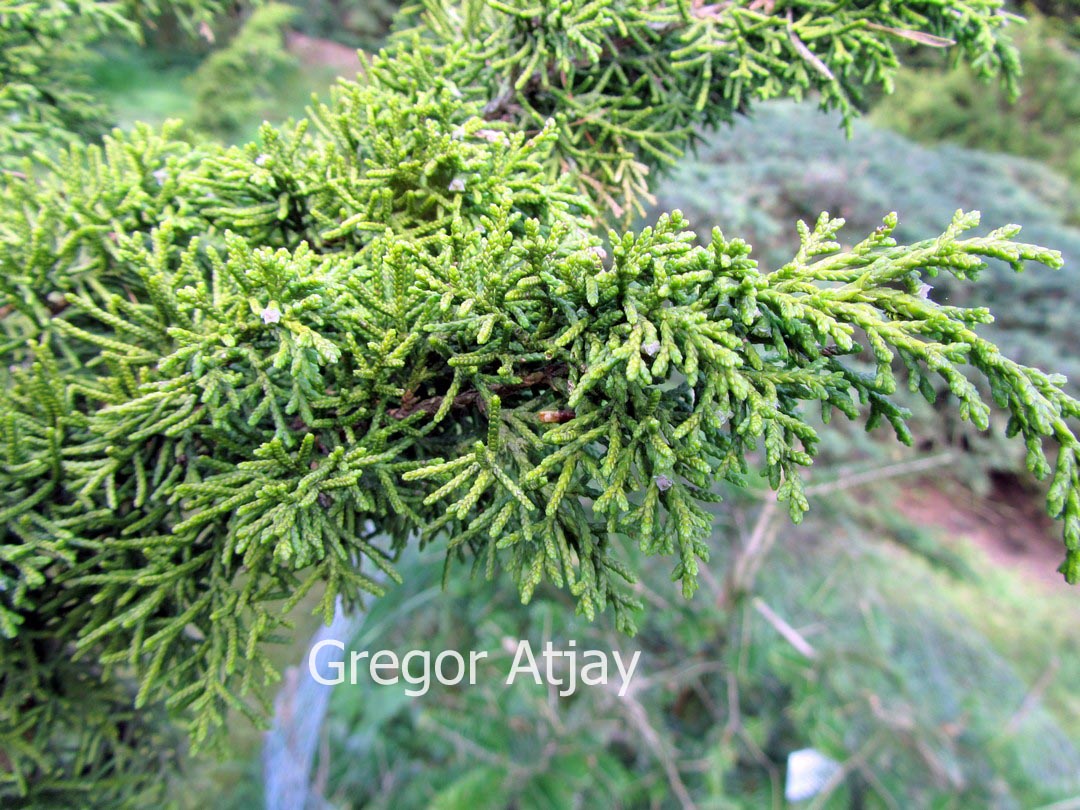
<point x="323" y="53"/>
<point x="1009" y="525"/>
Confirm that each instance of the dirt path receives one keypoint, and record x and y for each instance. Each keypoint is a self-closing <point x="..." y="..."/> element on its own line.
<point x="1010" y="525"/>
<point x="324" y="53"/>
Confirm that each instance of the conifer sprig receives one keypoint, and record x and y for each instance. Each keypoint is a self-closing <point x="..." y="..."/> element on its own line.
<point x="232" y="376"/>
<point x="629" y="81"/>
<point x="268" y="419"/>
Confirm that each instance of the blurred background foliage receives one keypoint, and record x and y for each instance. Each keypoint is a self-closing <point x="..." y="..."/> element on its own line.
<point x="933" y="106"/>
<point x="892" y="682"/>
<point x="898" y="672"/>
<point x="933" y="649"/>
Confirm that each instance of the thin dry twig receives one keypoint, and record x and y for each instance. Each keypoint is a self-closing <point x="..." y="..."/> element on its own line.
<point x="1032" y="698"/>
<point x="410" y="404"/>
<point x="909" y="467"/>
<point x="790" y="634"/>
<point x="930" y="40"/>
<point x="805" y="52"/>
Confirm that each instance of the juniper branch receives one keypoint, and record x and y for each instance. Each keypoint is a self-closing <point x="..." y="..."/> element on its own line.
<point x="279" y="364"/>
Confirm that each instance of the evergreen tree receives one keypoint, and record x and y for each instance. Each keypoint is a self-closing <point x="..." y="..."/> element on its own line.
<point x="232" y="375"/>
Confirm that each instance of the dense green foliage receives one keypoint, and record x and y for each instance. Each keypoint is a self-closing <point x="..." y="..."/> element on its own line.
<point x="766" y="171"/>
<point x="628" y="82"/>
<point x="233" y="375"/>
<point x="41" y="95"/>
<point x="45" y="96"/>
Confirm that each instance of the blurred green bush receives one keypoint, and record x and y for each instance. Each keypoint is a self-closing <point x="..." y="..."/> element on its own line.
<point x="932" y="104"/>
<point x="359" y="23"/>
<point x="234" y="81"/>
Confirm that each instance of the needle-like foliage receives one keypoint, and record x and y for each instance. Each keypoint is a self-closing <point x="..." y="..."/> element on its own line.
<point x="628" y="81"/>
<point x="232" y="376"/>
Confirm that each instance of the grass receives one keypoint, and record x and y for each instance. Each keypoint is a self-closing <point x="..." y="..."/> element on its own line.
<point x="141" y="86"/>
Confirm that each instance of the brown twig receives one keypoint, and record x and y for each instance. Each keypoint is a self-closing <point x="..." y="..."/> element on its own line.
<point x="742" y="573"/>
<point x="410" y="404"/>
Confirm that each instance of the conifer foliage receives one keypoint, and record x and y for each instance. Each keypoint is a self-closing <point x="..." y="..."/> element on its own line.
<point x="234" y="375"/>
